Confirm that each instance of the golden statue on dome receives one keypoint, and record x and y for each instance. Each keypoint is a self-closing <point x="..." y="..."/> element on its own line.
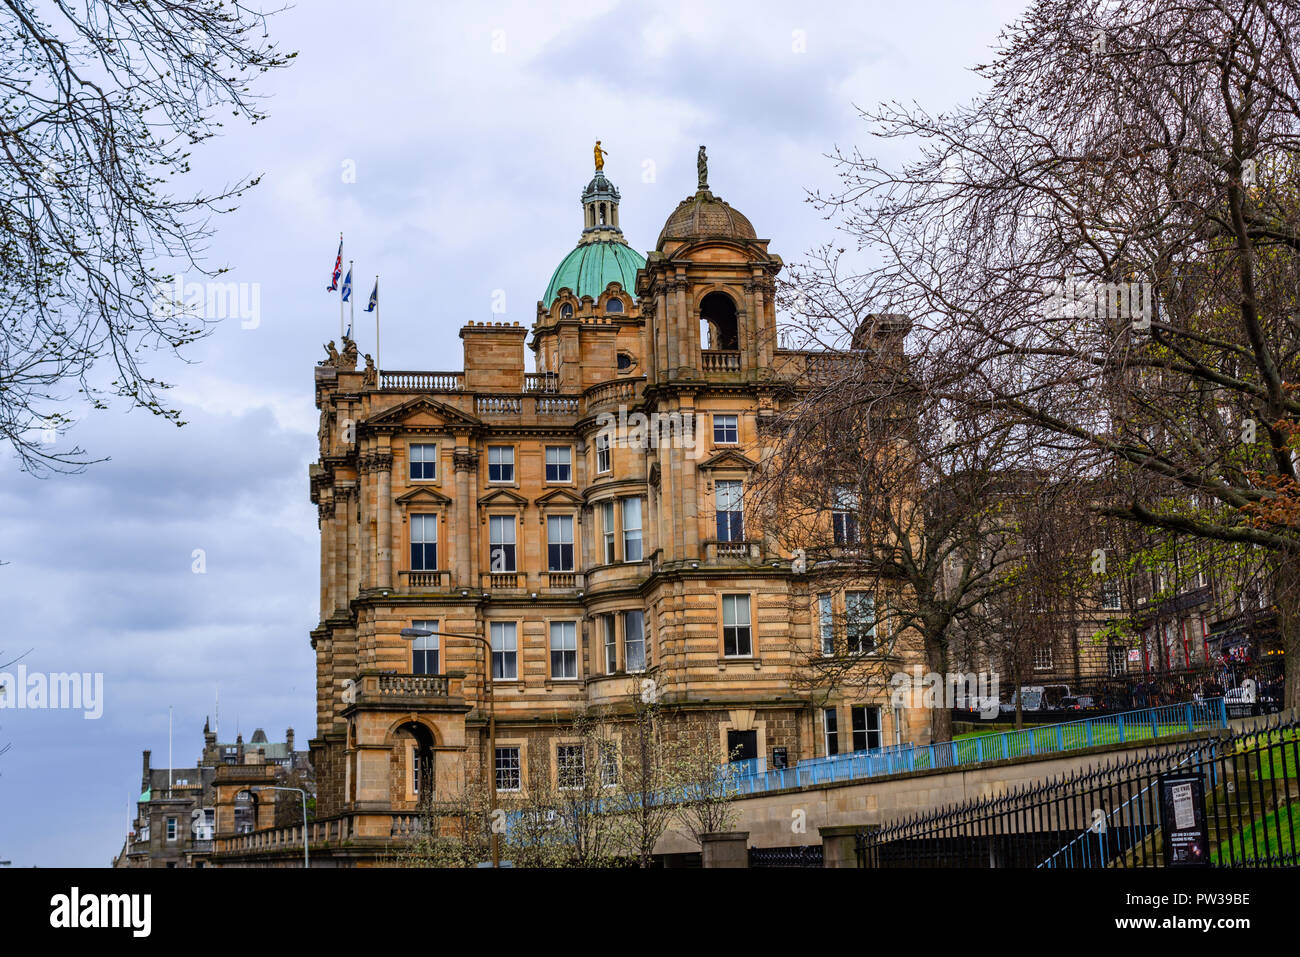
<point x="600" y="157"/>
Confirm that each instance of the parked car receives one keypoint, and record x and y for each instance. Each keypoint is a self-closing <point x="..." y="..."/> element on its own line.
<point x="1084" y="702"/>
<point x="1033" y="701"/>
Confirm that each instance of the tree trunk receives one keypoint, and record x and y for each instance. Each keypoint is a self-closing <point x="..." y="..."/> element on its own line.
<point x="1287" y="597"/>
<point x="936" y="655"/>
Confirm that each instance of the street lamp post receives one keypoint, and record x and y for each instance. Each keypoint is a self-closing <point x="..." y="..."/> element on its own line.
<point x="413" y="633"/>
<point x="306" y="859"/>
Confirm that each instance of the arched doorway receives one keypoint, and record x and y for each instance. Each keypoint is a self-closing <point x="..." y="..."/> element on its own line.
<point x="418" y="744"/>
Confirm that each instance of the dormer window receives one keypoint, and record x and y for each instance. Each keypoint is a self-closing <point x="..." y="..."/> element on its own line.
<point x="614" y="305"/>
<point x="566" y="311"/>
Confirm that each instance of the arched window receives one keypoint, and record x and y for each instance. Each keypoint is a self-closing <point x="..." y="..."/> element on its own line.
<point x="718" y="320"/>
<point x="614" y="305"/>
<point x="566" y="311"/>
<point x="602" y="214"/>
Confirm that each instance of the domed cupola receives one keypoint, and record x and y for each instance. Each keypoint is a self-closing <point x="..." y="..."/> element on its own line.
<point x="602" y="255"/>
<point x="705" y="216"/>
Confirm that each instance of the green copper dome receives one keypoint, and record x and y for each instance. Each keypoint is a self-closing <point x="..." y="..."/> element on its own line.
<point x="592" y="266"/>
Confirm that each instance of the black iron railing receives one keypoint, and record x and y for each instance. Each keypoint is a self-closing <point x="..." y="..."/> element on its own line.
<point x="1242" y="790"/>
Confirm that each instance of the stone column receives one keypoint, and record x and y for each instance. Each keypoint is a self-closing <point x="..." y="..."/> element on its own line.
<point x="839" y="845"/>
<point x="383" y="463"/>
<point x="725" y="849"/>
<point x="466" y="464"/>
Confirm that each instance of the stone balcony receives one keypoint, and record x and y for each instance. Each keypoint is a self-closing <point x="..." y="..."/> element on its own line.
<point x="374" y="689"/>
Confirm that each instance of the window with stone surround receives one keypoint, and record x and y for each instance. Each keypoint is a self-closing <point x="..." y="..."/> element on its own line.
<point x="507" y="768"/>
<point x="570" y="766"/>
<point x="501" y="543"/>
<point x="424" y="542"/>
<point x="831" y="730"/>
<point x="631" y="529"/>
<point x="424" y="461"/>
<point x="559" y="464"/>
<point x="564" y="650"/>
<point x="505" y="651"/>
<point x="559" y="543"/>
<point x="633" y="641"/>
<point x="602" y="453"/>
<point x="424" y="650"/>
<point x="501" y="463"/>
<point x="737" y="639"/>
<point x="866" y="727"/>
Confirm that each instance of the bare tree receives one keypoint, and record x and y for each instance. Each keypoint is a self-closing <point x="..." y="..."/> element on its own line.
<point x="894" y="490"/>
<point x="1108" y="235"/>
<point x="101" y="106"/>
<point x="707" y="789"/>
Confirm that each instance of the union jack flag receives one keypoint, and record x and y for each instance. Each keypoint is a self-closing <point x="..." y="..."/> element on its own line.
<point x="338" y="268"/>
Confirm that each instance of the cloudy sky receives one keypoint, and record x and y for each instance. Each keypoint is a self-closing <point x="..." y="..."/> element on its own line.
<point x="470" y="128"/>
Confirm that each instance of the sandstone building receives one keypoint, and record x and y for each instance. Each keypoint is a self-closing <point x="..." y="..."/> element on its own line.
<point x="499" y="509"/>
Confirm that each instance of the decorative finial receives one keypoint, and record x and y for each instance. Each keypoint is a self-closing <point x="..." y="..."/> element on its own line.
<point x="600" y="157"/>
<point x="702" y="167"/>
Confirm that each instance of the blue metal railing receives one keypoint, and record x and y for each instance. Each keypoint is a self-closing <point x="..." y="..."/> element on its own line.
<point x="1142" y="725"/>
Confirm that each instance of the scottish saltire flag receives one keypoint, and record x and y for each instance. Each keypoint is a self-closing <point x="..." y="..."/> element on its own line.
<point x="347" y="286"/>
<point x="374" y="297"/>
<point x="338" y="268"/>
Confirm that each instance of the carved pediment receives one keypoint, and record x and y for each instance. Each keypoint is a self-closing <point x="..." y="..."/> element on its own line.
<point x="503" y="497"/>
<point x="422" y="496"/>
<point x="729" y="459"/>
<point x="424" y="410"/>
<point x="559" y="497"/>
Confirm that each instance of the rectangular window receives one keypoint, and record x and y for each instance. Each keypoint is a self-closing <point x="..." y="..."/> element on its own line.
<point x="608" y="764"/>
<point x="607" y="529"/>
<point x="570" y="765"/>
<point x="866" y="728"/>
<point x="559" y="543"/>
<point x="501" y="542"/>
<point x="415" y="771"/>
<point x="1117" y="658"/>
<point x="1043" y="658"/>
<point x="831" y="726"/>
<point x="736" y="639"/>
<point x="424" y="651"/>
<point x="1110" y="595"/>
<point x="505" y="652"/>
<point x="424" y="461"/>
<point x="631" y="529"/>
<point x="728" y="495"/>
<point x="844" y="516"/>
<point x="564" y="649"/>
<point x="611" y="644"/>
<point x="424" y="542"/>
<point x="826" y="614"/>
<point x="171" y="829"/>
<point x="725" y="430"/>
<point x="507" y="769"/>
<point x="633" y="641"/>
<point x="860" y="621"/>
<point x="602" y="453"/>
<point x="501" y="463"/>
<point x="559" y="465"/>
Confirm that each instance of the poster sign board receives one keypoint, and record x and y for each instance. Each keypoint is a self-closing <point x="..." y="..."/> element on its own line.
<point x="1183" y="821"/>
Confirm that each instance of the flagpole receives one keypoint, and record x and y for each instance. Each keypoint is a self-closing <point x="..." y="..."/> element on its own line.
<point x="352" y="302"/>
<point x="377" y="365"/>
